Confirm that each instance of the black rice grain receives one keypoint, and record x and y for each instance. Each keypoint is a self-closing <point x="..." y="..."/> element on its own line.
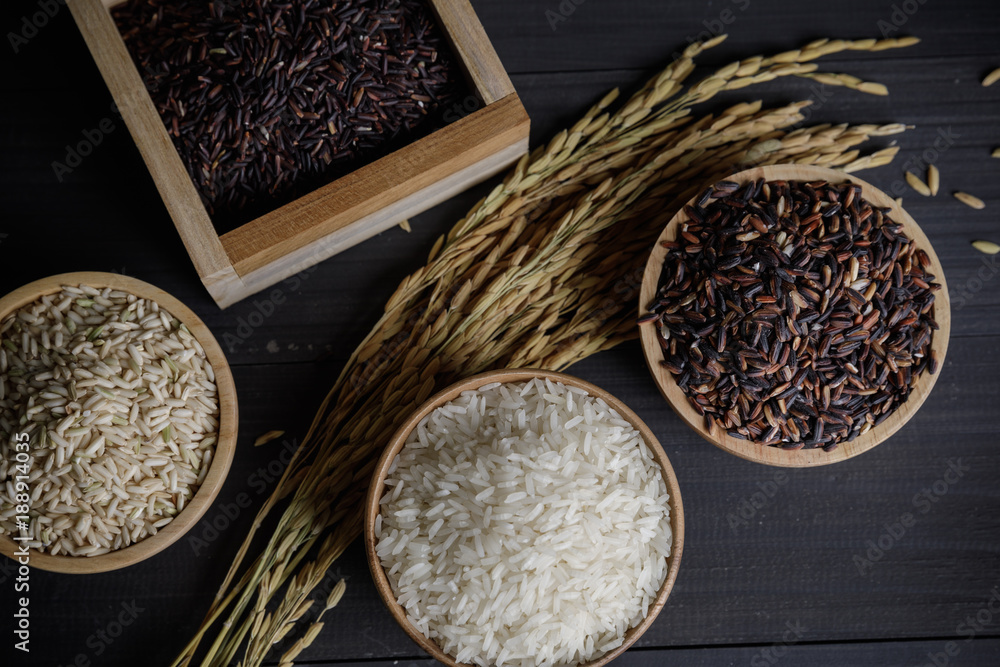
<point x="794" y="314"/>
<point x="258" y="95"/>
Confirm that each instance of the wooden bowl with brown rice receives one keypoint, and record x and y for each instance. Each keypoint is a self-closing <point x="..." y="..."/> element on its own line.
<point x="566" y="479"/>
<point x="119" y="417"/>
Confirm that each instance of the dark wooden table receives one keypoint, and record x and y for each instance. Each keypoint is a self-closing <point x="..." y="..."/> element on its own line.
<point x="805" y="567"/>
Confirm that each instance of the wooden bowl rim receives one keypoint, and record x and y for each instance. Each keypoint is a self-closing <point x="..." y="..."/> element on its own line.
<point x="451" y="392"/>
<point x="773" y="455"/>
<point x="225" y="447"/>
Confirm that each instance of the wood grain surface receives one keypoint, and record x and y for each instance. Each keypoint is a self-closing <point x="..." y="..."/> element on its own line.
<point x="765" y="547"/>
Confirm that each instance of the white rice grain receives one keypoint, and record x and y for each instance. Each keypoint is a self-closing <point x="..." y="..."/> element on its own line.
<point x="525" y="524"/>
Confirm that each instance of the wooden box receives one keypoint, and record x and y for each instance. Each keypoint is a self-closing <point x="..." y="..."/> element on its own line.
<point x="344" y="212"/>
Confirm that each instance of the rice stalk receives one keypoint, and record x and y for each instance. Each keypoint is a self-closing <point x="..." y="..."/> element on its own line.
<point x="542" y="272"/>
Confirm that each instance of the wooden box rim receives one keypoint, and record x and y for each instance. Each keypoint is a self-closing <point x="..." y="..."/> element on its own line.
<point x="349" y="209"/>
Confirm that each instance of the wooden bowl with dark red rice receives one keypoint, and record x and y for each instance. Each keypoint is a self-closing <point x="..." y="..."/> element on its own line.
<point x="794" y="315"/>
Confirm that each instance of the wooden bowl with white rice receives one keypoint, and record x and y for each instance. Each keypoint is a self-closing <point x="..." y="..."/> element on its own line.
<point x="524" y="517"/>
<point x="118" y="420"/>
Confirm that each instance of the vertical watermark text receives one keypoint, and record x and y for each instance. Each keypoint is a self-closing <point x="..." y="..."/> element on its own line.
<point x="22" y="582"/>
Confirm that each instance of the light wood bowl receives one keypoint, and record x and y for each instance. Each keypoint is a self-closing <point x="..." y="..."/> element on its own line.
<point x="376" y="489"/>
<point x="224" y="449"/>
<point x="776" y="456"/>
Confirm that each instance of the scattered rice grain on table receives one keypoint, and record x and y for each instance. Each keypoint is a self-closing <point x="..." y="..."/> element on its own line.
<point x="933" y="179"/>
<point x="121" y="407"/>
<point x="917" y="184"/>
<point x="986" y="247"/>
<point x="970" y="200"/>
<point x="525" y="524"/>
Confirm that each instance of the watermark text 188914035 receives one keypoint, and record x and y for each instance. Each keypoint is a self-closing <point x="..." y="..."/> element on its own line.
<point x="22" y="582"/>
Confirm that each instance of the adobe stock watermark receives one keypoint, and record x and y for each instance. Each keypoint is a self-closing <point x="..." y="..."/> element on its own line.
<point x="325" y="587"/>
<point x="320" y="593"/>
<point x="18" y="565"/>
<point x="819" y="94"/>
<point x="462" y="108"/>
<point x="19" y="485"/>
<point x="101" y="639"/>
<point x="561" y="13"/>
<point x="770" y="655"/>
<point x="968" y="628"/>
<point x="32" y="23"/>
<point x="260" y="481"/>
<point x="400" y="343"/>
<point x="918" y="164"/>
<point x="92" y="138"/>
<point x="716" y="26"/>
<point x="901" y="14"/>
<point x="963" y="294"/>
<point x="748" y="507"/>
<point x="264" y="306"/>
<point x="894" y="531"/>
<point x="625" y="290"/>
